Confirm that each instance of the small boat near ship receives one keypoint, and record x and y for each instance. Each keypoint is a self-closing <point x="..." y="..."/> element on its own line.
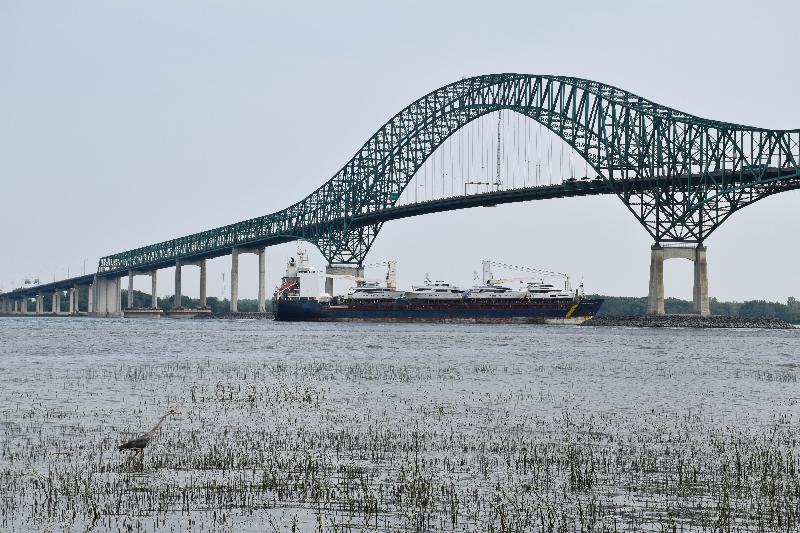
<point x="298" y="299"/>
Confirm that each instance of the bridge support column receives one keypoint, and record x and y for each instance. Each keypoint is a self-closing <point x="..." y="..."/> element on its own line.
<point x="177" y="303"/>
<point x="153" y="286"/>
<point x="262" y="280"/>
<point x="655" y="297"/>
<point x="23" y="306"/>
<point x="235" y="280"/>
<point x="90" y="299"/>
<point x="39" y="304"/>
<point x="701" y="305"/>
<point x="130" y="289"/>
<point x="107" y="297"/>
<point x="344" y="271"/>
<point x="71" y="301"/>
<point x="697" y="254"/>
<point x="203" y="284"/>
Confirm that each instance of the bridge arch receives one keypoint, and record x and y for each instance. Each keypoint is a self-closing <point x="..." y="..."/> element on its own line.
<point x="679" y="175"/>
<point x="623" y="137"/>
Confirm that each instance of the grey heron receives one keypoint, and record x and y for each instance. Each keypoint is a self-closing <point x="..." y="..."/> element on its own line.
<point x="140" y="443"/>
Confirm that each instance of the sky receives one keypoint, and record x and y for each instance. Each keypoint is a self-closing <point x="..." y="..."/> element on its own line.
<point x="131" y="122"/>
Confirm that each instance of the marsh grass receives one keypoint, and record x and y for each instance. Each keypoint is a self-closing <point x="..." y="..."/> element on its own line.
<point x="369" y="446"/>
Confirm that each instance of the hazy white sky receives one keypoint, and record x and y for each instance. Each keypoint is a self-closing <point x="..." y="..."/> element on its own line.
<point x="126" y="123"/>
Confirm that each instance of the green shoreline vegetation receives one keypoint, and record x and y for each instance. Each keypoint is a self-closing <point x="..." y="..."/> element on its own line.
<point x="633" y="306"/>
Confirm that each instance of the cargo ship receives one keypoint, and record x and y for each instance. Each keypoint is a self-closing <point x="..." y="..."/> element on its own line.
<point x="490" y="302"/>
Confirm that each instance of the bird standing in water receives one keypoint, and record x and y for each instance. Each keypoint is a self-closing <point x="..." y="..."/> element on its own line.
<point x="140" y="443"/>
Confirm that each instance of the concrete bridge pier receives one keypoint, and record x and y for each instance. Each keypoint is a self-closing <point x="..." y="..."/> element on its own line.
<point x="696" y="254"/>
<point x="107" y="297"/>
<point x="235" y="280"/>
<point x="701" y="304"/>
<point x="178" y="311"/>
<point x="203" y="276"/>
<point x="56" y="303"/>
<point x="655" y="297"/>
<point x="178" y="292"/>
<point x="153" y="287"/>
<point x="262" y="281"/>
<point x="138" y="312"/>
<point x="340" y="270"/>
<point x="72" y="300"/>
<point x="177" y="302"/>
<point x="39" y="304"/>
<point x="130" y="289"/>
<point x="90" y="300"/>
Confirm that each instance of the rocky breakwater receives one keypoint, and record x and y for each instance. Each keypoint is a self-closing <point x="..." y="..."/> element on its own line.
<point x="246" y="316"/>
<point x="688" y="321"/>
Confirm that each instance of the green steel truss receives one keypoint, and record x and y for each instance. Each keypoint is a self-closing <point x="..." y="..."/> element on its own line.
<point x="680" y="175"/>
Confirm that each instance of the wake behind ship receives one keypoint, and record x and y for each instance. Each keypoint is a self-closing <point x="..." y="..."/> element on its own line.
<point x="298" y="299"/>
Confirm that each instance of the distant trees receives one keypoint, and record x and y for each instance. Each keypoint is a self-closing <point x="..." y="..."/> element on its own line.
<point x="217" y="306"/>
<point x="624" y="305"/>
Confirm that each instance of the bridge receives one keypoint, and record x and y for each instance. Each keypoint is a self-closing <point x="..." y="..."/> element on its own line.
<point x="680" y="176"/>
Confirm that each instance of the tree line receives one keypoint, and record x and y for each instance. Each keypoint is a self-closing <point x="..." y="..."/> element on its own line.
<point x="624" y="305"/>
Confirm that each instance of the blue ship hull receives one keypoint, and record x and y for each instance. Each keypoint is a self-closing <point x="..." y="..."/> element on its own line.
<point x="564" y="311"/>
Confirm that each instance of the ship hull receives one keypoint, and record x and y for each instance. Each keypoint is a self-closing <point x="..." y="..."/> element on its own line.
<point x="495" y="312"/>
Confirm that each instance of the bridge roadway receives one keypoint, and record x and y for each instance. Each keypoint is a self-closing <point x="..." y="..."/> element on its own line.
<point x="567" y="189"/>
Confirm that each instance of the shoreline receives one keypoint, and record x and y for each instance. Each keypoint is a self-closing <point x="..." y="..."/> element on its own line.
<point x="688" y="321"/>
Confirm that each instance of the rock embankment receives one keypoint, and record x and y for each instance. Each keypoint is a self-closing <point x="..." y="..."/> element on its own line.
<point x="688" y="321"/>
<point x="249" y="316"/>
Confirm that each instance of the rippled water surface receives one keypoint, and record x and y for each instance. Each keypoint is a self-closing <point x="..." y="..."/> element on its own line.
<point x="353" y="427"/>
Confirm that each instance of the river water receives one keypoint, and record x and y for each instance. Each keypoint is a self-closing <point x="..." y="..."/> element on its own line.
<point x="419" y="427"/>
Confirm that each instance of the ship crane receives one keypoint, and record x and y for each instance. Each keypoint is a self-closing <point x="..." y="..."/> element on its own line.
<point x="488" y="278"/>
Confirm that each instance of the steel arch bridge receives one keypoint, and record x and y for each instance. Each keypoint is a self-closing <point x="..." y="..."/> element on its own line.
<point x="680" y="175"/>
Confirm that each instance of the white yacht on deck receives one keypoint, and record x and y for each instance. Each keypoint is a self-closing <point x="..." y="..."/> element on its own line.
<point x="480" y="292"/>
<point x="541" y="290"/>
<point x="434" y="290"/>
<point x="372" y="290"/>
